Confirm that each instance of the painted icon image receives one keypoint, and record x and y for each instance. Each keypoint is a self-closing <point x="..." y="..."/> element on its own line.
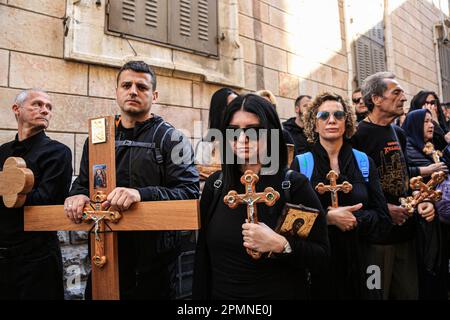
<point x="99" y="176"/>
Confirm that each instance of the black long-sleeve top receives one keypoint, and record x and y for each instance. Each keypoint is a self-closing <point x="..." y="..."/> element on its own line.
<point x="346" y="274"/>
<point x="224" y="270"/>
<point x="51" y="163"/>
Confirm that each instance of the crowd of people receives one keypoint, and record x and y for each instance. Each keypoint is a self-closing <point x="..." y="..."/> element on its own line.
<point x="362" y="242"/>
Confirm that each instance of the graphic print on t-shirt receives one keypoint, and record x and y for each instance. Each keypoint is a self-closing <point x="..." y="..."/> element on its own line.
<point x="393" y="170"/>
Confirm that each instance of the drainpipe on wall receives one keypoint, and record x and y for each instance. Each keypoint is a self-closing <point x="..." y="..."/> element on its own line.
<point x="348" y="48"/>
<point x="438" y="60"/>
<point x="388" y="39"/>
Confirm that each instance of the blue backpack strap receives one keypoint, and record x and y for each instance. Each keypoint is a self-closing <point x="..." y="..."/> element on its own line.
<point x="363" y="163"/>
<point x="306" y="164"/>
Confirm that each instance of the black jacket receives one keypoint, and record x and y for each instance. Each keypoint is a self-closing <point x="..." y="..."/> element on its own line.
<point x="346" y="277"/>
<point x="153" y="173"/>
<point x="311" y="253"/>
<point x="51" y="163"/>
<point x="297" y="134"/>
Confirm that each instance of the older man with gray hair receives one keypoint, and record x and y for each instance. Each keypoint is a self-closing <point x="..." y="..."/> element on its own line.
<point x="30" y="262"/>
<point x="385" y="143"/>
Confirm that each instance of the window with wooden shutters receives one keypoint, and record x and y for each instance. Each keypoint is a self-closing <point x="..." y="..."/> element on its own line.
<point x="367" y="30"/>
<point x="370" y="53"/>
<point x="186" y="24"/>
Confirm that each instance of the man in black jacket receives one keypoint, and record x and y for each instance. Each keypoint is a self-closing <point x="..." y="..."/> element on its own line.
<point x="294" y="125"/>
<point x="30" y="262"/>
<point x="153" y="162"/>
<point x="386" y="145"/>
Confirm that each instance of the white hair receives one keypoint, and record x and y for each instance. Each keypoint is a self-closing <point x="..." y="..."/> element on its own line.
<point x="24" y="95"/>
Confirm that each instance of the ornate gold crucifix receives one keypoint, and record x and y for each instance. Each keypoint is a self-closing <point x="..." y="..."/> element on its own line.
<point x="424" y="191"/>
<point x="429" y="150"/>
<point x="251" y="198"/>
<point x="333" y="187"/>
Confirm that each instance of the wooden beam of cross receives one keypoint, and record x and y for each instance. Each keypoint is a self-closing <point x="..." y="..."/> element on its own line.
<point x="428" y="149"/>
<point x="425" y="192"/>
<point x="251" y="198"/>
<point x="142" y="216"/>
<point x="333" y="187"/>
<point x="16" y="180"/>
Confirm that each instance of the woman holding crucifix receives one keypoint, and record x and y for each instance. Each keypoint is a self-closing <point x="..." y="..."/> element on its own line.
<point x="239" y="258"/>
<point x="361" y="216"/>
<point x="432" y="235"/>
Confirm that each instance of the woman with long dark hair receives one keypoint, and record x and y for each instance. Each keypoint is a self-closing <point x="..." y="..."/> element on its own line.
<point x="207" y="153"/>
<point x="429" y="100"/>
<point x="223" y="267"/>
<point x="360" y="217"/>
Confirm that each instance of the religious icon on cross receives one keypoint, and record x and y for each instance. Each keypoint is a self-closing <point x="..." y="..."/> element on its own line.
<point x="269" y="196"/>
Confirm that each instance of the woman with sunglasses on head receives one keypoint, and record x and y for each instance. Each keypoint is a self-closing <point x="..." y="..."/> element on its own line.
<point x="361" y="216"/>
<point x="223" y="267"/>
<point x="430" y="101"/>
<point x="431" y="243"/>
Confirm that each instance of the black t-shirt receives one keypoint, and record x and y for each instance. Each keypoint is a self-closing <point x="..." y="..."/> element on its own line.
<point x="51" y="163"/>
<point x="386" y="145"/>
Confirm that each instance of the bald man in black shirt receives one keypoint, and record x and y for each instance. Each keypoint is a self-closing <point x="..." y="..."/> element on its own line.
<point x="30" y="262"/>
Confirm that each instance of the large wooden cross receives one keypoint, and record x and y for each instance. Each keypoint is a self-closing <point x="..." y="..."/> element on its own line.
<point x="425" y="192"/>
<point x="16" y="180"/>
<point x="142" y="216"/>
<point x="333" y="187"/>
<point x="251" y="198"/>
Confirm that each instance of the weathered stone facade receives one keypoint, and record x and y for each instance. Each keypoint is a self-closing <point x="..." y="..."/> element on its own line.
<point x="288" y="47"/>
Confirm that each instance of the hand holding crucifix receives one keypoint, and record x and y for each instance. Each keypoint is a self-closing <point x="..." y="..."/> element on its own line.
<point x="425" y="192"/>
<point x="251" y="198"/>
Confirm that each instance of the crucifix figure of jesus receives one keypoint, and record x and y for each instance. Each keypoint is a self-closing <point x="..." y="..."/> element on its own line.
<point x="269" y="196"/>
<point x="101" y="221"/>
<point x="333" y="187"/>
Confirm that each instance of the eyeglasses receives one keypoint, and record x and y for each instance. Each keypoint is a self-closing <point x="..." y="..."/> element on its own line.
<point x="325" y="115"/>
<point x="433" y="102"/>
<point x="254" y="133"/>
<point x="358" y="100"/>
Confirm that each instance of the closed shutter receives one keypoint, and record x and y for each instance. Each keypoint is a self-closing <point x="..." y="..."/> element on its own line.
<point x="444" y="57"/>
<point x="193" y="25"/>
<point x="370" y="53"/>
<point x="363" y="59"/>
<point x="145" y="19"/>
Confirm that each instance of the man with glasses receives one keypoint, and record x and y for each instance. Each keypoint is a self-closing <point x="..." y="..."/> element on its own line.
<point x="30" y="262"/>
<point x="358" y="103"/>
<point x="386" y="145"/>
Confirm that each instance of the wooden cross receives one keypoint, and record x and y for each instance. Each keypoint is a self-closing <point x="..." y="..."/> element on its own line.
<point x="429" y="150"/>
<point x="152" y="215"/>
<point x="424" y="191"/>
<point x="333" y="187"/>
<point x="251" y="198"/>
<point x="16" y="180"/>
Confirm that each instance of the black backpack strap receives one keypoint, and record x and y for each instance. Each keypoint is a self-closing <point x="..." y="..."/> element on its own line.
<point x="216" y="195"/>
<point x="129" y="143"/>
<point x="286" y="185"/>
